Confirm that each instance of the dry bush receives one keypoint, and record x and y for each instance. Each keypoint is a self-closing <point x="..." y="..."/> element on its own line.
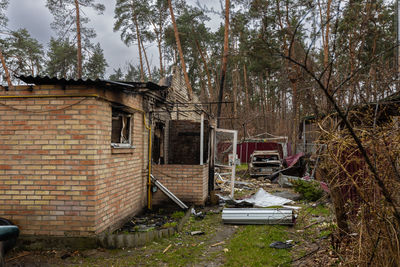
<point x="367" y="232"/>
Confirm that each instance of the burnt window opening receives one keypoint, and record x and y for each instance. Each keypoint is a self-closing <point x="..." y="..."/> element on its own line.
<point x="121" y="129"/>
<point x="158" y="156"/>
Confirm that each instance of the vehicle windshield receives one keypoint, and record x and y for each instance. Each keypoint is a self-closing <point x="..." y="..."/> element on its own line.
<point x="265" y="158"/>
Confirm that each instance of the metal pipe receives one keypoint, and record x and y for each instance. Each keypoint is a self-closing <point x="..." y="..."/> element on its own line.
<point x="233" y="164"/>
<point x="304" y="136"/>
<point x="149" y="203"/>
<point x="201" y="138"/>
<point x="169" y="193"/>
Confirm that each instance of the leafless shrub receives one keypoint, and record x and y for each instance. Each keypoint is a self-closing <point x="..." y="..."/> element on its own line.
<point x="367" y="232"/>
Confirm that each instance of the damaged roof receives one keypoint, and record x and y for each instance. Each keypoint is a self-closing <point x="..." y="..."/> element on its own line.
<point x="123" y="86"/>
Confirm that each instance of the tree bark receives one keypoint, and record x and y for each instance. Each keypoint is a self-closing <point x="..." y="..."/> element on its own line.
<point x="145" y="57"/>
<point x="5" y="68"/>
<point x="79" y="41"/>
<point x="224" y="60"/>
<point x="178" y="44"/>
<point x="161" y="57"/>
<point x="139" y="44"/>
<point x="325" y="28"/>
<point x="210" y="89"/>
<point x="246" y="88"/>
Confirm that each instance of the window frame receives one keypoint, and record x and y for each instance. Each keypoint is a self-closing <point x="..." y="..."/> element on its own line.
<point x="123" y="114"/>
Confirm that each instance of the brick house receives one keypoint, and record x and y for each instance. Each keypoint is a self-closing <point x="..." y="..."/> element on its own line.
<point x="74" y="153"/>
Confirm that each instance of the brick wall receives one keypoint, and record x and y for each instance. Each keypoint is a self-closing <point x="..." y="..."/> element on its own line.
<point x="58" y="173"/>
<point x="188" y="182"/>
<point x="120" y="180"/>
<point x="180" y="95"/>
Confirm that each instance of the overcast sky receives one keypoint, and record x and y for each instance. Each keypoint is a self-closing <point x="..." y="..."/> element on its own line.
<point x="35" y="17"/>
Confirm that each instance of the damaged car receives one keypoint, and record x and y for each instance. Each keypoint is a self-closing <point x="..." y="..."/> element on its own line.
<point x="264" y="163"/>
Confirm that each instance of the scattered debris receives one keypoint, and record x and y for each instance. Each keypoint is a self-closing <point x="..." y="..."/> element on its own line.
<point x="308" y="226"/>
<point x="258" y="216"/>
<point x="22" y="254"/>
<point x="218" y="244"/>
<point x="264" y="199"/>
<point x="166" y="249"/>
<point x="197" y="233"/>
<point x="281" y="245"/>
<point x="288" y="194"/>
<point x="197" y="215"/>
<point x="66" y="255"/>
<point x="285" y="180"/>
<point x="150" y="220"/>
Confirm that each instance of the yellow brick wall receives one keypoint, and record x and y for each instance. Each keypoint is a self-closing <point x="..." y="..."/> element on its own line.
<point x="58" y="175"/>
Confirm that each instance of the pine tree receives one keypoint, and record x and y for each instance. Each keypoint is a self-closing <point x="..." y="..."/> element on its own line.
<point x="131" y="18"/>
<point x="68" y="19"/>
<point x="61" y="59"/>
<point x="24" y="53"/>
<point x="95" y="67"/>
<point x="117" y="75"/>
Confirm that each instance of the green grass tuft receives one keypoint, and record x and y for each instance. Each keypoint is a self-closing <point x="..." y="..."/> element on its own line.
<point x="250" y="247"/>
<point x="178" y="214"/>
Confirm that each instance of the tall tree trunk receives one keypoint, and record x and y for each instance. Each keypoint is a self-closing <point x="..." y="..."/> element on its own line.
<point x="178" y="44"/>
<point x="161" y="57"/>
<point x="210" y="89"/>
<point x="145" y="57"/>
<point x="139" y="46"/>
<point x="325" y="29"/>
<point x="79" y="41"/>
<point x="234" y="91"/>
<point x="3" y="63"/>
<point x="224" y="60"/>
<point x="159" y="44"/>
<point x="246" y="88"/>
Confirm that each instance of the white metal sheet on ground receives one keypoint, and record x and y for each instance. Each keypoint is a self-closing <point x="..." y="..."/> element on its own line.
<point x="258" y="216"/>
<point x="264" y="199"/>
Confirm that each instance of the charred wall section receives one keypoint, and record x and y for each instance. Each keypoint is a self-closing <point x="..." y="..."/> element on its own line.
<point x="184" y="142"/>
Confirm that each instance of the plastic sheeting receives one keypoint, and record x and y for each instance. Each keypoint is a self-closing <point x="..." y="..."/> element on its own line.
<point x="264" y="199"/>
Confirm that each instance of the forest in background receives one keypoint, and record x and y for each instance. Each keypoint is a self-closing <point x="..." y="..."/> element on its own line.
<point x="269" y="59"/>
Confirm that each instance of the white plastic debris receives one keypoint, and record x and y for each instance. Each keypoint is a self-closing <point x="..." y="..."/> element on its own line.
<point x="265" y="199"/>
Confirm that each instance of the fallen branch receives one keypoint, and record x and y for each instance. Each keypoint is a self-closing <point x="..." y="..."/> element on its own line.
<point x="308" y="226"/>
<point x="23" y="254"/>
<point x="166" y="249"/>
<point x="304" y="256"/>
<point x="217" y="244"/>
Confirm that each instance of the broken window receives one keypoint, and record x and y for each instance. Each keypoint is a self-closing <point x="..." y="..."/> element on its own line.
<point x="158" y="143"/>
<point x="121" y="135"/>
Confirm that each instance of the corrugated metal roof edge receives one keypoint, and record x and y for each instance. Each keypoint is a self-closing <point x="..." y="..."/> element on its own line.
<point x="46" y="80"/>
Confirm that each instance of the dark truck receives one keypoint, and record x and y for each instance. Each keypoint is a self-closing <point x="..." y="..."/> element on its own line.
<point x="264" y="162"/>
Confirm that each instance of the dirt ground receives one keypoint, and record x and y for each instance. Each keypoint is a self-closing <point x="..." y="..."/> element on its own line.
<point x="310" y="234"/>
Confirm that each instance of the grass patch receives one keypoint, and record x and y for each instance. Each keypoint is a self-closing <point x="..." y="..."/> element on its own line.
<point x="185" y="249"/>
<point x="178" y="214"/>
<point x="241" y="167"/>
<point x="243" y="193"/>
<point x="250" y="247"/>
<point x="319" y="210"/>
<point x="169" y="224"/>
